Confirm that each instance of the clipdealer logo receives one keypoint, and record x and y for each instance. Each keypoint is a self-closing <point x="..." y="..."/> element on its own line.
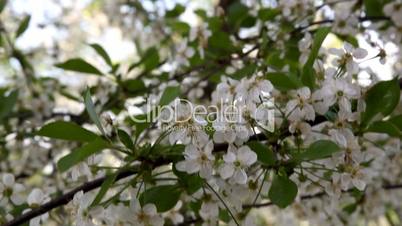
<point x="183" y="113"/>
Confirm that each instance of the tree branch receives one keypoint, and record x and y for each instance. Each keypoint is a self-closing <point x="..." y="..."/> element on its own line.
<point x="327" y="21"/>
<point x="91" y="185"/>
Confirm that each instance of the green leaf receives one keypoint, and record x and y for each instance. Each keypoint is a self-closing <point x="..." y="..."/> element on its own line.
<point x="66" y="131"/>
<point x="164" y="197"/>
<point x="220" y="44"/>
<point x="23" y="26"/>
<point x="150" y="59"/>
<point x="267" y="14"/>
<point x="384" y="127"/>
<point x="264" y="154"/>
<point x="89" y="105"/>
<point x="69" y="95"/>
<point x="79" y="65"/>
<point x="80" y="154"/>
<point x="141" y="122"/>
<point x="125" y="139"/>
<point x="170" y="93"/>
<point x="374" y="7"/>
<point x="224" y="215"/>
<point x="283" y="191"/>
<point x="307" y="77"/>
<point x="350" y="208"/>
<point x="134" y="85"/>
<point x="102" y="52"/>
<point x="104" y="188"/>
<point x="319" y="150"/>
<point x="396" y="121"/>
<point x="283" y="82"/>
<point x="179" y="26"/>
<point x="237" y="13"/>
<point x="7" y="103"/>
<point x="3" y="4"/>
<point x="248" y="71"/>
<point x="382" y="98"/>
<point x="248" y="21"/>
<point x="176" y="11"/>
<point x="190" y="182"/>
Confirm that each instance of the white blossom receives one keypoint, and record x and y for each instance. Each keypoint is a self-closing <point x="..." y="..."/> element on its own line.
<point x="9" y="188"/>
<point x="300" y="108"/>
<point x="346" y="57"/>
<point x="145" y="215"/>
<point x="198" y="159"/>
<point x="237" y="160"/>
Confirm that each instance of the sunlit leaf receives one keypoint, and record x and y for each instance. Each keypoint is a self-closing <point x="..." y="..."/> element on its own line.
<point x="89" y="105"/>
<point x="101" y="51"/>
<point x="125" y="139"/>
<point x="79" y="65"/>
<point x="3" y="4"/>
<point x="283" y="191"/>
<point x="382" y="98"/>
<point x="110" y="179"/>
<point x="23" y="26"/>
<point x="283" y="82"/>
<point x="66" y="131"/>
<point x="265" y="155"/>
<point x="164" y="197"/>
<point x="80" y="154"/>
<point x="385" y="127"/>
<point x="319" y="150"/>
<point x="170" y="93"/>
<point x="308" y="77"/>
<point x="7" y="103"/>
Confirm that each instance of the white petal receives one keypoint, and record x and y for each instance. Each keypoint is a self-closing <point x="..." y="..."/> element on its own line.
<point x="359" y="184"/>
<point x="157" y="221"/>
<point x="209" y="147"/>
<point x="338" y="52"/>
<point x="35" y="197"/>
<point x="304" y="93"/>
<point x="309" y="112"/>
<point x="8" y="179"/>
<point x="290" y="106"/>
<point x="35" y="221"/>
<point x="218" y="137"/>
<point x="229" y="157"/>
<point x="149" y="209"/>
<point x="135" y="205"/>
<point x="192" y="166"/>
<point x="352" y="67"/>
<point x="247" y="156"/>
<point x="226" y="171"/>
<point x="360" y="53"/>
<point x="17" y="199"/>
<point x="206" y="171"/>
<point x="348" y="47"/>
<point x="229" y="135"/>
<point x="181" y="166"/>
<point x="240" y="177"/>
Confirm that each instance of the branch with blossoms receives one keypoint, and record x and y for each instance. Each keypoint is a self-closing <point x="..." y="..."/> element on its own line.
<point x="89" y="186"/>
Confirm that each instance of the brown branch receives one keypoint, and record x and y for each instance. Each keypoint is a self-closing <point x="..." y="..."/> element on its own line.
<point x="62" y="200"/>
<point x="327" y="21"/>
